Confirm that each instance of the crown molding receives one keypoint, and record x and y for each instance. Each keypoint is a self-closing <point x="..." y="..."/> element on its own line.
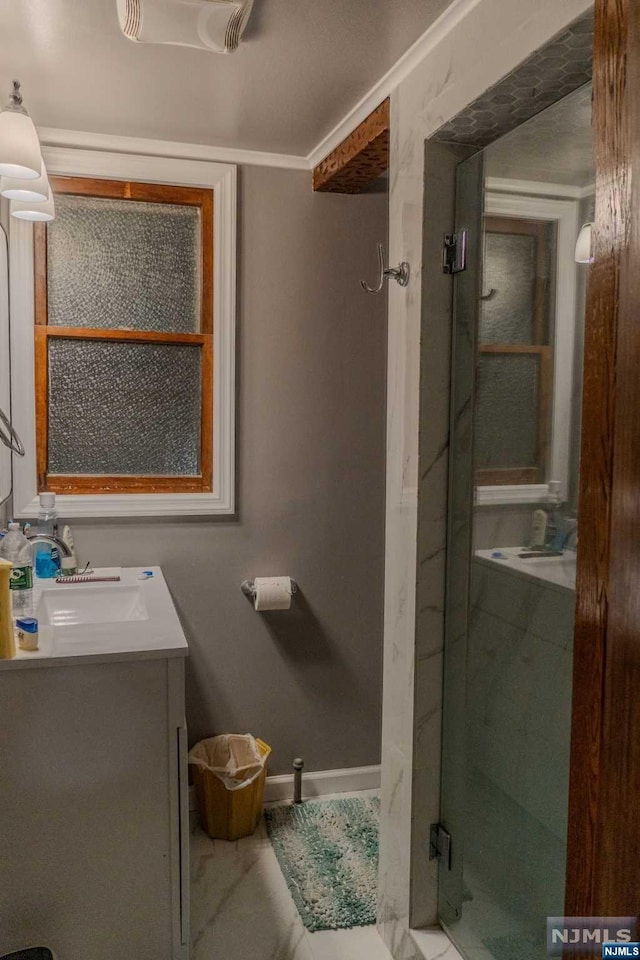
<point x="383" y="88"/>
<point x="111" y="143"/>
<point x="446" y="22"/>
<point x="401" y="69"/>
<point x="538" y="188"/>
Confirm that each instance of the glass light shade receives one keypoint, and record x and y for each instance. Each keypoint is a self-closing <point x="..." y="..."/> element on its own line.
<point x="17" y="188"/>
<point x="19" y="146"/>
<point x="25" y="210"/>
<point x="584" y="252"/>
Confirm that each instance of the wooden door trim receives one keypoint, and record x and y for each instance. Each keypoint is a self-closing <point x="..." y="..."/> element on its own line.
<point x="603" y="855"/>
<point x="359" y="159"/>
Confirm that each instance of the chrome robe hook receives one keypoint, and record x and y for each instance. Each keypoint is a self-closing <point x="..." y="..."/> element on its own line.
<point x="399" y="274"/>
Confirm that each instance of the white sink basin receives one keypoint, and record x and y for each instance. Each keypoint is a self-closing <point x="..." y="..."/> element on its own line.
<point x="132" y="618"/>
<point x="67" y="606"/>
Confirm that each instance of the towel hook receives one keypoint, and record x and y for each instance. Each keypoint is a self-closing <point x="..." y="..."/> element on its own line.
<point x="399" y="274"/>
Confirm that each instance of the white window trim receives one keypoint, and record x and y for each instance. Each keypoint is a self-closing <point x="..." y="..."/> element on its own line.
<point x="565" y="213"/>
<point x="222" y="178"/>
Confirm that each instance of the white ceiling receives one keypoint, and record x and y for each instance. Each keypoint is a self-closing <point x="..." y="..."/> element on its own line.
<point x="300" y="68"/>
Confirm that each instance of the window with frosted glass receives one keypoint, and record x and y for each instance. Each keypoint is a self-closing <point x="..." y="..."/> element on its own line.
<point x="124" y="264"/>
<point x="515" y="362"/>
<point x="124" y="332"/>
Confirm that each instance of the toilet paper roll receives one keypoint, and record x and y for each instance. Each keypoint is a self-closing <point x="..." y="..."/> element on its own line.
<point x="272" y="593"/>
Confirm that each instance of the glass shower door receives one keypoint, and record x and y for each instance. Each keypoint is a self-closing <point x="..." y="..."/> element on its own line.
<point x="509" y="613"/>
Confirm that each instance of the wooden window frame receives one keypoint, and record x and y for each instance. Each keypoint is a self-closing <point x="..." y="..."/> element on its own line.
<point x="535" y="474"/>
<point x="124" y="483"/>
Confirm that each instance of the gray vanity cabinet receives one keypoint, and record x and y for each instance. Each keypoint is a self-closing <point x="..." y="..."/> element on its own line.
<point x="94" y="810"/>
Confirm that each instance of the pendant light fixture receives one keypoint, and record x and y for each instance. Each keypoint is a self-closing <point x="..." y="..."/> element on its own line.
<point x="38" y="211"/>
<point x="23" y="177"/>
<point x="19" y="145"/>
<point x="14" y="188"/>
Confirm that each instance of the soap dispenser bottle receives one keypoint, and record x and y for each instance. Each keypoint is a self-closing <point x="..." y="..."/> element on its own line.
<point x="555" y="520"/>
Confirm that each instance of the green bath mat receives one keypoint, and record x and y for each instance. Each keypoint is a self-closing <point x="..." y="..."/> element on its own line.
<point x="328" y="853"/>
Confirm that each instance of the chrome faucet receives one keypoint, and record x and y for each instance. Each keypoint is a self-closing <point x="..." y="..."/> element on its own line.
<point x="52" y="541"/>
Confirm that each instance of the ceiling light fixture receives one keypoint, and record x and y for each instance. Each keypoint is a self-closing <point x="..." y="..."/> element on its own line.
<point x="19" y="145"/>
<point x="215" y="25"/>
<point x="584" y="244"/>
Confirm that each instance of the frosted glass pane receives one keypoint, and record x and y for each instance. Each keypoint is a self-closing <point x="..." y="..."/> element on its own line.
<point x="124" y="264"/>
<point x="506" y="429"/>
<point x="124" y="408"/>
<point x="509" y="269"/>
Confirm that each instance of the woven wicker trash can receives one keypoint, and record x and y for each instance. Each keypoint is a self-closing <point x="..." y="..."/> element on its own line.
<point x="229" y="772"/>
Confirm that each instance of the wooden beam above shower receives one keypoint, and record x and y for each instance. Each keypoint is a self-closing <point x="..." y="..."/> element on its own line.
<point x="359" y="159"/>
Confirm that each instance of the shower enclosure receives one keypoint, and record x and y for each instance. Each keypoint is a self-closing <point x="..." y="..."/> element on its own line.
<point x="512" y="533"/>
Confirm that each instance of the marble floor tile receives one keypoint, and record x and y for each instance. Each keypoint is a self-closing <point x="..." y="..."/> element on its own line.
<point x="360" y="943"/>
<point x="434" y="944"/>
<point x="241" y="907"/>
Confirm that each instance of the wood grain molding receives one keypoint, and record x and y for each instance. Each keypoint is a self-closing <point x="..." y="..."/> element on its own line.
<point x="359" y="159"/>
<point x="603" y="856"/>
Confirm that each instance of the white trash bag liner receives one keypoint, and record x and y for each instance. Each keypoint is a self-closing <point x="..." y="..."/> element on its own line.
<point x="233" y="757"/>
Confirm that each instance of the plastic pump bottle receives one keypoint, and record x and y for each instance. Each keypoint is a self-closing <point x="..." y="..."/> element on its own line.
<point x="555" y="519"/>
<point x="16" y="548"/>
<point x="47" y="557"/>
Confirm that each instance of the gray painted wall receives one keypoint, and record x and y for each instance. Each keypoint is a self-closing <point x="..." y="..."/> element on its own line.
<point x="311" y="447"/>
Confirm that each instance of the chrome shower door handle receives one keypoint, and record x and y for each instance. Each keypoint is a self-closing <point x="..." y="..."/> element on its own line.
<point x="8" y="435"/>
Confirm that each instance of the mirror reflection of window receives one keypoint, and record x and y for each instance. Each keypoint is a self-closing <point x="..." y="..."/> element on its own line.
<point x="514" y="381"/>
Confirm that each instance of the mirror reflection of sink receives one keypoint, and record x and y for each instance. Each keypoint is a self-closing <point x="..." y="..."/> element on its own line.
<point x="560" y="571"/>
<point x="66" y="606"/>
<point x="543" y="561"/>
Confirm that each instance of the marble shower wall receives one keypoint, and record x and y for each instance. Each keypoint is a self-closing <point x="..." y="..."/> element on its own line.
<point x="474" y="46"/>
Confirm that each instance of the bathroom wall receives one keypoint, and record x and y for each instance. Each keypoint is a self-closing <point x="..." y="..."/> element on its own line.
<point x="520" y="658"/>
<point x="311" y="408"/>
<point x="520" y="649"/>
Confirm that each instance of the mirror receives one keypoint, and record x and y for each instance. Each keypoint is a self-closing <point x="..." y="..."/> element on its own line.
<point x="538" y="191"/>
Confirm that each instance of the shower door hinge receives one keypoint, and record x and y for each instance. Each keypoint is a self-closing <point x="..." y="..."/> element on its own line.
<point x="454" y="252"/>
<point x="440" y="845"/>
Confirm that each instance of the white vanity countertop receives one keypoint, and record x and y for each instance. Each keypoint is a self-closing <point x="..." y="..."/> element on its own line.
<point x="555" y="571"/>
<point x="155" y="632"/>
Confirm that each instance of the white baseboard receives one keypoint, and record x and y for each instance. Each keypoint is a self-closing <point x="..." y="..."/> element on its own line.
<point x="318" y="783"/>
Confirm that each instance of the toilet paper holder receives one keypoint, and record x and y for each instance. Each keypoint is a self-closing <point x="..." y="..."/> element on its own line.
<point x="249" y="590"/>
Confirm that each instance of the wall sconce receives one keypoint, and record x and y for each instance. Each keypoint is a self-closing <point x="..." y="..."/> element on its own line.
<point x="584" y="244"/>
<point x="23" y="177"/>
